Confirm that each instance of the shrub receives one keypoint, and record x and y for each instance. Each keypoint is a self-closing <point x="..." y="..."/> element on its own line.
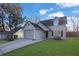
<point x="15" y="36"/>
<point x="57" y="38"/>
<point x="33" y="39"/>
<point x="12" y="37"/>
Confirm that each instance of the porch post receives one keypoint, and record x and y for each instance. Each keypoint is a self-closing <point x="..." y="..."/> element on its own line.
<point x="34" y="34"/>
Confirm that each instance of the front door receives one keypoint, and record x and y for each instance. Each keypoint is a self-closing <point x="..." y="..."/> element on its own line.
<point x="46" y="34"/>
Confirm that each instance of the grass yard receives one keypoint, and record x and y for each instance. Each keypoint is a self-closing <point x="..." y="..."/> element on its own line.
<point x="3" y="41"/>
<point x="69" y="47"/>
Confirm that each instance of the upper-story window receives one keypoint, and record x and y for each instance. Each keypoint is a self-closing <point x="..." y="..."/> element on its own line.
<point x="56" y="22"/>
<point x="61" y="22"/>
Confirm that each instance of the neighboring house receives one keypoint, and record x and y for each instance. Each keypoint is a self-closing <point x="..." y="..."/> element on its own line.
<point x="18" y="32"/>
<point x="46" y="29"/>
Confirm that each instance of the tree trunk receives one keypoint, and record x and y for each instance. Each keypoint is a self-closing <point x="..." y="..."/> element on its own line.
<point x="9" y="24"/>
<point x="3" y="24"/>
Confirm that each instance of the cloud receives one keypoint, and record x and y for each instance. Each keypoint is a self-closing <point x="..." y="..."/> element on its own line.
<point x="57" y="14"/>
<point x="62" y="5"/>
<point x="44" y="11"/>
<point x="75" y="11"/>
<point x="51" y="9"/>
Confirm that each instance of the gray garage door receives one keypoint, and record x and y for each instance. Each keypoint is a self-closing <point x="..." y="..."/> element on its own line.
<point x="29" y="34"/>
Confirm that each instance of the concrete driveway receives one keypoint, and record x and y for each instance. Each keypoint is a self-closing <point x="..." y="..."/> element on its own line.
<point x="7" y="47"/>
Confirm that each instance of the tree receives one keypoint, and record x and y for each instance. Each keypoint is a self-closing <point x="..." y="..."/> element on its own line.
<point x="2" y="19"/>
<point x="33" y="18"/>
<point x="14" y="13"/>
<point x="75" y="23"/>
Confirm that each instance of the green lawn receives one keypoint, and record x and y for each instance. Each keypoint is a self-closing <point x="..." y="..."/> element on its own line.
<point x="3" y="41"/>
<point x="67" y="47"/>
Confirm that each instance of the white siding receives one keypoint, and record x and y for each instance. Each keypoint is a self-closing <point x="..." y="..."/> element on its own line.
<point x="64" y="34"/>
<point x="56" y="22"/>
<point x="57" y="29"/>
<point x="29" y="26"/>
<point x="50" y="34"/>
<point x="19" y="33"/>
<point x="63" y="27"/>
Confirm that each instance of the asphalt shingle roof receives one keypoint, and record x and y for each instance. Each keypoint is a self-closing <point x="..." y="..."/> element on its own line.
<point x="47" y="22"/>
<point x="36" y="26"/>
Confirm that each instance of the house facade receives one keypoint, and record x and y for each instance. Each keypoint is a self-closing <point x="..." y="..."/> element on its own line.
<point x="46" y="29"/>
<point x="41" y="30"/>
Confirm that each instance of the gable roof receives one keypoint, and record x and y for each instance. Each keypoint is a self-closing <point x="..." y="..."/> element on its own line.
<point x="46" y="27"/>
<point x="47" y="22"/>
<point x="15" y="30"/>
<point x="62" y="18"/>
<point x="36" y="26"/>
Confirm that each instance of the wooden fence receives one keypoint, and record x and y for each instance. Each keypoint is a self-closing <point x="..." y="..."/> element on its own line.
<point x="72" y="34"/>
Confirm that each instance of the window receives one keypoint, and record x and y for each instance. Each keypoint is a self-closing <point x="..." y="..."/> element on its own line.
<point x="52" y="33"/>
<point x="61" y="22"/>
<point x="61" y="33"/>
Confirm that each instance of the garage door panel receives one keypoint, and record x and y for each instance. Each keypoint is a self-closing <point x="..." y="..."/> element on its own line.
<point x="29" y="34"/>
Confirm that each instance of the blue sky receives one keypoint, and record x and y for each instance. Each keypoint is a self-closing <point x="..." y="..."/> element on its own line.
<point x="50" y="10"/>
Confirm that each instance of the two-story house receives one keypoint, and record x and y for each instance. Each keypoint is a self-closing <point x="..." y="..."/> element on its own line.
<point x="46" y="29"/>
